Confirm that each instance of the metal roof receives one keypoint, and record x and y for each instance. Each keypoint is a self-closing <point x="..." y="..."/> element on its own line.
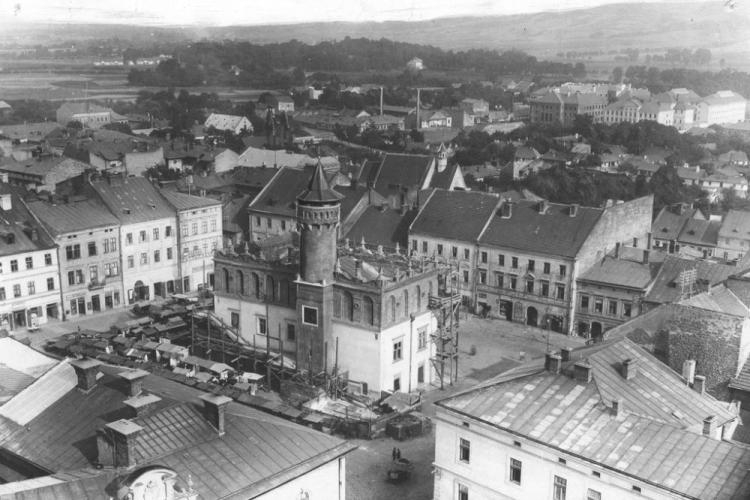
<point x="455" y="215"/>
<point x="61" y="218"/>
<point x="133" y="199"/>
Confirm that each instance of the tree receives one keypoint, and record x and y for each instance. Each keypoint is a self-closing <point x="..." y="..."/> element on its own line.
<point x="617" y="74"/>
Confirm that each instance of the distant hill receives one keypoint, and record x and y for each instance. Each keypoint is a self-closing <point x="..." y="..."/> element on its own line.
<point x="653" y="25"/>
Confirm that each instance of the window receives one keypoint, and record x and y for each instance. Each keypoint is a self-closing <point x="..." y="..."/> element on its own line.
<point x="466" y="276"/>
<point x="547" y="268"/>
<point x="398" y="347"/>
<point x="32" y="287"/>
<point x="2" y="293"/>
<point x="532" y="264"/>
<point x="93" y="274"/>
<point x="613" y="307"/>
<point x="16" y="290"/>
<point x="204" y="226"/>
<point x="156" y="233"/>
<point x="269" y="223"/>
<point x="142" y="236"/>
<point x="291" y="334"/>
<point x="483" y="277"/>
<point x="585" y="302"/>
<point x="563" y="270"/>
<point x="467" y="253"/>
<point x="440" y="249"/>
<point x="424" y="247"/>
<point x="257" y="221"/>
<point x="545" y="289"/>
<point x="593" y="495"/>
<point x="1" y="268"/>
<point x="110" y="269"/>
<point x="598" y="305"/>
<point x="92" y="248"/>
<point x="560" y="291"/>
<point x="484" y="257"/>
<point x="514" y="262"/>
<point x="559" y="488"/>
<point x="234" y="319"/>
<point x="131" y="262"/>
<point x="501" y="260"/>
<point x="129" y="239"/>
<point x="168" y="231"/>
<point x="262" y="326"/>
<point x="515" y="471"/>
<point x="72" y="252"/>
<point x="29" y="262"/>
<point x="50" y="283"/>
<point x="463" y="492"/>
<point x="627" y="309"/>
<point x="169" y="253"/>
<point x="310" y="315"/>
<point x="530" y="286"/>
<point x="194" y="228"/>
<point x="499" y="280"/>
<point x="637" y="489"/>
<point x="75" y="277"/>
<point x="422" y="337"/>
<point x="144" y="258"/>
<point x="13" y="266"/>
<point x="513" y="282"/>
<point x="213" y="224"/>
<point x="185" y="230"/>
<point x="454" y="252"/>
<point x="396" y="383"/>
<point x="464" y="450"/>
<point x="414" y="245"/>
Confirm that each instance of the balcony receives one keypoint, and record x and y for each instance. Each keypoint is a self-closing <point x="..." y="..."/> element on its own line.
<point x="97" y="284"/>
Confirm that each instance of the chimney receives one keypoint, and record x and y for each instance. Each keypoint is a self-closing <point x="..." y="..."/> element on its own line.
<point x="646" y="256"/>
<point x="86" y="370"/>
<point x="134" y="381"/>
<point x="582" y="372"/>
<point x="688" y="371"/>
<point x="116" y="443"/>
<point x="618" y="408"/>
<point x="629" y="369"/>
<point x="142" y="404"/>
<point x="565" y="353"/>
<point x="214" y="406"/>
<point x="542" y="207"/>
<point x="5" y="201"/>
<point x="699" y="384"/>
<point x="617" y="250"/>
<point x="506" y="210"/>
<point x="552" y="362"/>
<point x="709" y="426"/>
<point x="573" y="210"/>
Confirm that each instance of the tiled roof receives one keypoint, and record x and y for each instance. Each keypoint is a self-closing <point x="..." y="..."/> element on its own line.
<point x="655" y="439"/>
<point x="317" y="190"/>
<point x="719" y="299"/>
<point x="400" y="170"/>
<point x="700" y="232"/>
<point x="666" y="289"/>
<point x="554" y="232"/>
<point x="75" y="108"/>
<point x="736" y="224"/>
<point x="443" y="180"/>
<point x="28" y="131"/>
<point x="280" y="194"/>
<point x="76" y="215"/>
<point x="620" y="272"/>
<point x="42" y="167"/>
<point x="742" y="381"/>
<point x="38" y="397"/>
<point x="724" y="97"/>
<point x="670" y="222"/>
<point x="455" y="215"/>
<point x="224" y="122"/>
<point x="19" y="222"/>
<point x="382" y="226"/>
<point x="186" y="202"/>
<point x="133" y="199"/>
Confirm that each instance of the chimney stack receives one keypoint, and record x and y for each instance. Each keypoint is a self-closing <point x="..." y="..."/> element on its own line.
<point x="214" y="406"/>
<point x="699" y="384"/>
<point x="709" y="426"/>
<point x="618" y="408"/>
<point x="86" y="370"/>
<point x="552" y="362"/>
<point x="648" y="241"/>
<point x="5" y="201"/>
<point x="573" y="210"/>
<point x="629" y="369"/>
<point x="617" y="250"/>
<point x="565" y="353"/>
<point x="542" y="207"/>
<point x="506" y="210"/>
<point x="646" y="256"/>
<point x="582" y="372"/>
<point x="142" y="404"/>
<point x="115" y="443"/>
<point x="134" y="381"/>
<point x="688" y="371"/>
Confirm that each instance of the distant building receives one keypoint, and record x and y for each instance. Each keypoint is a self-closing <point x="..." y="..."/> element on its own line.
<point x="734" y="235"/>
<point x="229" y="123"/>
<point x="555" y="107"/>
<point x="87" y="114"/>
<point x="415" y="64"/>
<point x="724" y="106"/>
<point x="5" y="108"/>
<point x="43" y="173"/>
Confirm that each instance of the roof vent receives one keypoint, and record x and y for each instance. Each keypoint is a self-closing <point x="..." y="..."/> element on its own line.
<point x="506" y="210"/>
<point x="582" y="372"/>
<point x="573" y="210"/>
<point x="629" y="369"/>
<point x="552" y="362"/>
<point x="126" y="211"/>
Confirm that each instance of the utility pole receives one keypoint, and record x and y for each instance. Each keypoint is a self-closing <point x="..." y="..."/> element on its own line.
<point x="381" y="101"/>
<point x="418" y="100"/>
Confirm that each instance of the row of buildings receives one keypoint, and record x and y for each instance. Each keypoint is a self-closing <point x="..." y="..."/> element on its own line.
<point x="118" y="241"/>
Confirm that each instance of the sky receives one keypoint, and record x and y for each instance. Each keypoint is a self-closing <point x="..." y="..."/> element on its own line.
<point x="254" y="12"/>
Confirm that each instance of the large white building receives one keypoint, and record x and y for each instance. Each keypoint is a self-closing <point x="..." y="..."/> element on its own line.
<point x="724" y="106"/>
<point x="604" y="422"/>
<point x="200" y="234"/>
<point x="29" y="279"/>
<point x="148" y="235"/>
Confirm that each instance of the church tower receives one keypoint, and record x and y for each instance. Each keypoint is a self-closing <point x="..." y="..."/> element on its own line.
<point x="442" y="157"/>
<point x="318" y="217"/>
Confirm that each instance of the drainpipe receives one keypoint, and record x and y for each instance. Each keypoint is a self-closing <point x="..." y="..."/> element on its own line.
<point x="412" y="317"/>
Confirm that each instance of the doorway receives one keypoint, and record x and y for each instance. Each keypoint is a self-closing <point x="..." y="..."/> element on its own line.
<point x="532" y="316"/>
<point x="96" y="305"/>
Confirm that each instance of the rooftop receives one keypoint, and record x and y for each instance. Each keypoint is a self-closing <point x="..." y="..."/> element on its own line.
<point x="455" y="215"/>
<point x="736" y="224"/>
<point x="77" y="214"/>
<point x="620" y="272"/>
<point x="182" y="201"/>
<point x="133" y="199"/>
<point x="19" y="232"/>
<point x="666" y="287"/>
<point x="42" y="166"/>
<point x="397" y="171"/>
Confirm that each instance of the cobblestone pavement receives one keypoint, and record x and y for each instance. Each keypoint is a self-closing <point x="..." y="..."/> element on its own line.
<point x="498" y="346"/>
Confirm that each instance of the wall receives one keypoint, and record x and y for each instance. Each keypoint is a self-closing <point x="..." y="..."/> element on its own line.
<point x="326" y="482"/>
<point x="200" y="234"/>
<point x="165" y="270"/>
<point x="38" y="275"/>
<point x="137" y="162"/>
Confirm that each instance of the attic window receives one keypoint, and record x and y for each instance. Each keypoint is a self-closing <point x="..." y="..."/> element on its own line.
<point x="153" y="206"/>
<point x="126" y="211"/>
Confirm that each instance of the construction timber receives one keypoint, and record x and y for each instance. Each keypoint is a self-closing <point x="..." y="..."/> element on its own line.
<point x="446" y="308"/>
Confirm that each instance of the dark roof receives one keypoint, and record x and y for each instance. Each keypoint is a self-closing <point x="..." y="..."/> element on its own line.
<point x="398" y="171"/>
<point x="280" y="194"/>
<point x="742" y="381"/>
<point x="186" y="202"/>
<point x="619" y="272"/>
<point x="350" y="196"/>
<point x="736" y="224"/>
<point x="666" y="289"/>
<point x="234" y="214"/>
<point x="442" y="180"/>
<point x="700" y="232"/>
<point x="75" y="215"/>
<point x="655" y="439"/>
<point x="258" y="452"/>
<point x="133" y="199"/>
<point x="553" y="233"/>
<point x="455" y="215"/>
<point x="19" y="222"/>
<point x="382" y="226"/>
<point x="670" y="221"/>
<point x="318" y="190"/>
<point x="43" y="166"/>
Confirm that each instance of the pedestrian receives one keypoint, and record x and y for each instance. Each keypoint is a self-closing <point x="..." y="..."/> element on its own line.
<point x="393" y="454"/>
<point x="398" y="453"/>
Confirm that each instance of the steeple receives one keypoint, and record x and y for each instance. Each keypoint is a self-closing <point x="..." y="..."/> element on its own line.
<point x="318" y="190"/>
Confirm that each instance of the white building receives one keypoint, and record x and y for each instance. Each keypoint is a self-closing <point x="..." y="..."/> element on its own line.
<point x="148" y="225"/>
<point x="232" y="123"/>
<point x="29" y="279"/>
<point x="581" y="427"/>
<point x="724" y="106"/>
<point x="200" y="234"/>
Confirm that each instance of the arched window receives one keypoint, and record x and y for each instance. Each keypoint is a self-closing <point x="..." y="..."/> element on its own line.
<point x="419" y="298"/>
<point x="240" y="283"/>
<point x="406" y="303"/>
<point x="368" y="311"/>
<point x="227" y="281"/>
<point x="256" y="285"/>
<point x="393" y="308"/>
<point x="347" y="306"/>
<point x="270" y="288"/>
